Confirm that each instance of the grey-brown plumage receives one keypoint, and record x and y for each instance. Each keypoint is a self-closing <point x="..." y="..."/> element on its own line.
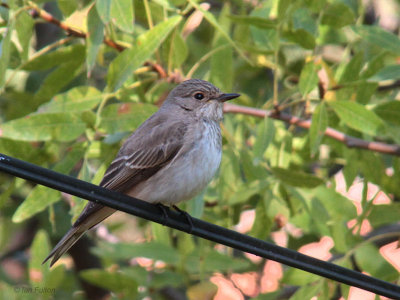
<point x="170" y="158"/>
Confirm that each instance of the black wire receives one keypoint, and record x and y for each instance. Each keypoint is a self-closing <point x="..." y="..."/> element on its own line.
<point x="200" y="228"/>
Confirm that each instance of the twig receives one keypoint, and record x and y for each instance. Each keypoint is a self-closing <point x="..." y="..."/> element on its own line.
<point x="349" y="141"/>
<point x="72" y="31"/>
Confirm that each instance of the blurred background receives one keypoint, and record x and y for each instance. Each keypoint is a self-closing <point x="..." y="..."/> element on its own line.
<point x="77" y="77"/>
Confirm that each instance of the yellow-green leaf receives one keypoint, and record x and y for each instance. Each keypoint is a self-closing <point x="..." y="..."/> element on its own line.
<point x="131" y="59"/>
<point x="357" y="117"/>
<point x="44" y="127"/>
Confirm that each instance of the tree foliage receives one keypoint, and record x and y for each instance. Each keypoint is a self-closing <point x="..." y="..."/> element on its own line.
<point x="72" y="91"/>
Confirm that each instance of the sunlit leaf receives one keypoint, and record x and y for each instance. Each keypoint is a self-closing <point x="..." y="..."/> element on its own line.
<point x="115" y="281"/>
<point x="254" y="21"/>
<point x="308" y="78"/>
<point x="377" y="266"/>
<point x="44" y="127"/>
<point x="103" y="9"/>
<point x="125" y="117"/>
<point x="211" y="19"/>
<point x="337" y="15"/>
<point x="152" y="250"/>
<point x="297" y="178"/>
<point x="129" y="60"/>
<point x="356" y="116"/>
<point x="95" y="37"/>
<point x="389" y="111"/>
<point x="121" y="13"/>
<point x="379" y="37"/>
<point x="41" y="196"/>
<point x="319" y="122"/>
<point x="388" y="73"/>
<point x="77" y="99"/>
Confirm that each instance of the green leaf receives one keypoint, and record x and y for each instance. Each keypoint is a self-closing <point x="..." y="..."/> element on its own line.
<point x="176" y="50"/>
<point x="388" y="73"/>
<point x="265" y="135"/>
<point x="103" y="9"/>
<point x="357" y="117"/>
<point x="213" y="261"/>
<point x="301" y="37"/>
<point x="5" y="50"/>
<point x="384" y="214"/>
<point x="55" y="58"/>
<point x="247" y="190"/>
<point x="302" y="19"/>
<point x="306" y="291"/>
<point x="44" y="127"/>
<point x="350" y="70"/>
<point x="125" y="117"/>
<point x="262" y="224"/>
<point x="258" y="22"/>
<point x="131" y="59"/>
<point x="337" y="206"/>
<point x="22" y="150"/>
<point x="67" y="6"/>
<point x="24" y="27"/>
<point x="319" y="122"/>
<point x="337" y="15"/>
<point x="115" y="281"/>
<point x="94" y="38"/>
<point x="62" y="75"/>
<point x="38" y="199"/>
<point x="389" y="111"/>
<point x="211" y="19"/>
<point x="365" y="91"/>
<point x="168" y="279"/>
<point x="221" y="73"/>
<point x="41" y="197"/>
<point x="80" y="98"/>
<point x="151" y="250"/>
<point x="375" y="64"/>
<point x="308" y="78"/>
<point x="121" y="14"/>
<point x="378" y="266"/>
<point x="283" y="8"/>
<point x="39" y="249"/>
<point x="296" y="178"/>
<point x="300" y="278"/>
<point x="41" y="276"/>
<point x="379" y="37"/>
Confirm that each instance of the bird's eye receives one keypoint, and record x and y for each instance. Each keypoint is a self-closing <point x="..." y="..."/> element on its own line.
<point x="199" y="96"/>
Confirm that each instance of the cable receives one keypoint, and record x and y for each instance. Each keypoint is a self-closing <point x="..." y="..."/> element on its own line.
<point x="200" y="228"/>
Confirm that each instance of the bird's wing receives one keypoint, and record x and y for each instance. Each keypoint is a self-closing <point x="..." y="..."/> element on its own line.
<point x="143" y="154"/>
<point x="155" y="143"/>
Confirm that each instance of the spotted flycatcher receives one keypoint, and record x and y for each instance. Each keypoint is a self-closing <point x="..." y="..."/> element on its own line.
<point x="170" y="158"/>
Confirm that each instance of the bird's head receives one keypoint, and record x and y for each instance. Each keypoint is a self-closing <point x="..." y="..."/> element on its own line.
<point x="200" y="97"/>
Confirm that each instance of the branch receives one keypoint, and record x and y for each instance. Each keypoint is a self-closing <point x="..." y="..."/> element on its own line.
<point x="349" y="141"/>
<point x="49" y="18"/>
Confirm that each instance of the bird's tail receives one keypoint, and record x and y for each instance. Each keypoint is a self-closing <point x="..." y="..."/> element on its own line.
<point x="69" y="239"/>
<point x="90" y="219"/>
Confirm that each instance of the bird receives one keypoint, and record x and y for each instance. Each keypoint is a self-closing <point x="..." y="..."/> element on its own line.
<point x="170" y="158"/>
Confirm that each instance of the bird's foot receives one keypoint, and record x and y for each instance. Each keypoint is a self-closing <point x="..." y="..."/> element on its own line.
<point x="187" y="217"/>
<point x="164" y="211"/>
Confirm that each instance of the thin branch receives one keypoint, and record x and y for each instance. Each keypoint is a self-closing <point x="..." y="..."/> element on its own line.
<point x="349" y="141"/>
<point x="72" y="31"/>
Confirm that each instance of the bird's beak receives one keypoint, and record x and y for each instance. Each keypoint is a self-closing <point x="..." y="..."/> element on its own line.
<point x="226" y="97"/>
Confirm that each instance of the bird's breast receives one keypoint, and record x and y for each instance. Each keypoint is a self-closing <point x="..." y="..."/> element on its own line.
<point x="190" y="171"/>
